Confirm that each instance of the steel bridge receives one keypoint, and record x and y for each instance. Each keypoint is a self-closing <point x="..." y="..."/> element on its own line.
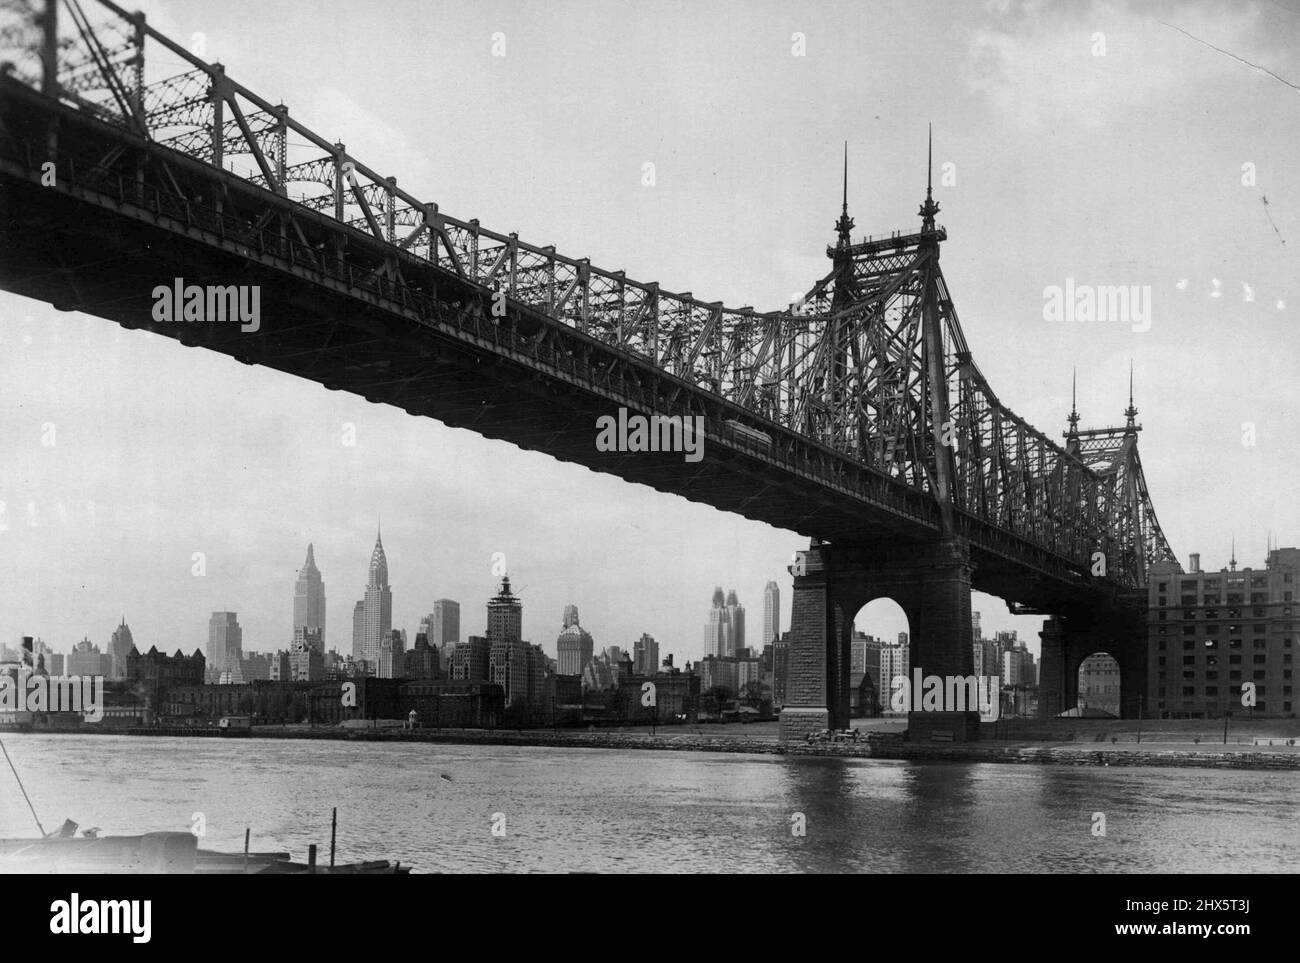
<point x="856" y="416"/>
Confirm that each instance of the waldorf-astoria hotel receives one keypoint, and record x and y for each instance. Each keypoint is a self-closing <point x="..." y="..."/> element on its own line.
<point x="1210" y="632"/>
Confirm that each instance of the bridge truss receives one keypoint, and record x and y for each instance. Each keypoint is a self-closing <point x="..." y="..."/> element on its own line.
<point x="870" y="364"/>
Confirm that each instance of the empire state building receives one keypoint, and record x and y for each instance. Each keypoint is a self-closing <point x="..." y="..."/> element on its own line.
<point x="373" y="618"/>
<point x="309" y="599"/>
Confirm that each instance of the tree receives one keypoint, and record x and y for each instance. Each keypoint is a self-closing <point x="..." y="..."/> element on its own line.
<point x="755" y="694"/>
<point x="715" y="700"/>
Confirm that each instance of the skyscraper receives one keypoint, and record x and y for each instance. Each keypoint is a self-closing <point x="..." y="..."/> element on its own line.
<point x="717" y="634"/>
<point x="505" y="614"/>
<point x="771" y="613"/>
<point x="119" y="648"/>
<point x="392" y="656"/>
<point x="736" y="613"/>
<point x="725" y="633"/>
<point x="575" y="645"/>
<point x="372" y="621"/>
<point x="645" y="655"/>
<point x="358" y="626"/>
<point x="225" y="642"/>
<point x="515" y="665"/>
<point x="309" y="598"/>
<point x="441" y="627"/>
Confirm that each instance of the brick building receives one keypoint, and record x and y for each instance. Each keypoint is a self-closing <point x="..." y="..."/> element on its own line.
<point x="1211" y="633"/>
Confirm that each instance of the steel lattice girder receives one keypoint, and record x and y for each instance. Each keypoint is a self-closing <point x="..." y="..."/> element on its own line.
<point x="846" y="367"/>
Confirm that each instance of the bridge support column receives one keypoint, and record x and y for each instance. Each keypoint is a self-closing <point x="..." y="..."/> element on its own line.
<point x="816" y="686"/>
<point x="942" y="642"/>
<point x="1069" y="639"/>
<point x="930" y="581"/>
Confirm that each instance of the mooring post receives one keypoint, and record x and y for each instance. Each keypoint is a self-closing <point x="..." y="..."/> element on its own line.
<point x="334" y="827"/>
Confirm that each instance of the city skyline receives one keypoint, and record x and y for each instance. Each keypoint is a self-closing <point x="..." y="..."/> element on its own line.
<point x="878" y="618"/>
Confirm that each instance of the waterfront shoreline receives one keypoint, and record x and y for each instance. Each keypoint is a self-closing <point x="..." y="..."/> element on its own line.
<point x="1254" y="757"/>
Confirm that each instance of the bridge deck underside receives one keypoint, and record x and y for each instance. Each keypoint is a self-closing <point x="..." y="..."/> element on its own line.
<point x="84" y="251"/>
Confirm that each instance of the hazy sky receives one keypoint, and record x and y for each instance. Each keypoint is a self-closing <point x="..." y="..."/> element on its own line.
<point x="1084" y="141"/>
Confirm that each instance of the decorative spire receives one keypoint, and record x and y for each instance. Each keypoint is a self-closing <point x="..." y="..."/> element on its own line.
<point x="378" y="565"/>
<point x="844" y="225"/>
<point x="1130" y="412"/>
<point x="1074" y="407"/>
<point x="929" y="208"/>
<point x="1232" y="565"/>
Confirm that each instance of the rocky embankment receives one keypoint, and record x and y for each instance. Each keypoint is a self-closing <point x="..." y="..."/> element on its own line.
<point x="886" y="748"/>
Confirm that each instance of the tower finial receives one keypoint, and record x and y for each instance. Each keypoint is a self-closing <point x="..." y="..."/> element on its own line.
<point x="1131" y="412"/>
<point x="1232" y="564"/>
<point x="1074" y="406"/>
<point x="929" y="157"/>
<point x="845" y="207"/>
<point x="844" y="226"/>
<point x="929" y="208"/>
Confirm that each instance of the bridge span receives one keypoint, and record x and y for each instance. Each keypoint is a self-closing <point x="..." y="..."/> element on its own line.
<point x="857" y="416"/>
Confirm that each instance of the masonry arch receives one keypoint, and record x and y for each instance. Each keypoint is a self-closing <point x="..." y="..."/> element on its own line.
<point x="879" y="652"/>
<point x="1099" y="689"/>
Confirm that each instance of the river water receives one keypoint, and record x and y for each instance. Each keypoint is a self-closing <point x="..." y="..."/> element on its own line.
<point x="599" y="810"/>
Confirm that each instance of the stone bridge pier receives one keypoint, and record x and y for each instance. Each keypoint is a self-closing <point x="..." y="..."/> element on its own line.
<point x="1068" y="639"/>
<point x="929" y="580"/>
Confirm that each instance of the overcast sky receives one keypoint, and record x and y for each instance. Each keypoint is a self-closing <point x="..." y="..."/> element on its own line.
<point x="1081" y="141"/>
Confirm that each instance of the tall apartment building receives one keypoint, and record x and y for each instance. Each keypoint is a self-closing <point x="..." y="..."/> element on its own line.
<point x="771" y="613"/>
<point x="895" y="661"/>
<point x="1211" y="633"/>
<point x="225" y="643"/>
<point x="725" y="632"/>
